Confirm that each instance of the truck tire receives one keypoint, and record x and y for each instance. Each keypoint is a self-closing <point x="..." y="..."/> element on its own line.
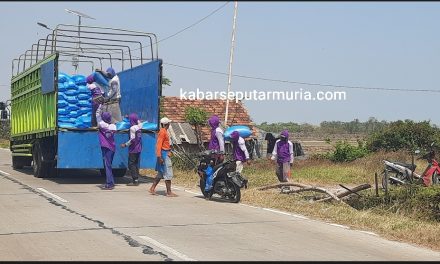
<point x="116" y="172"/>
<point x="37" y="163"/>
<point x="20" y="162"/>
<point x="119" y="172"/>
<point x="44" y="163"/>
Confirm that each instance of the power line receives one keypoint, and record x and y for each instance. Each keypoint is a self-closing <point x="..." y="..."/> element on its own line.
<point x="296" y="82"/>
<point x="307" y="83"/>
<point x="188" y="27"/>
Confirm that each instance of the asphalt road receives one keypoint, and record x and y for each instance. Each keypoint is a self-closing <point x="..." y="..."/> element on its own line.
<point x="71" y="218"/>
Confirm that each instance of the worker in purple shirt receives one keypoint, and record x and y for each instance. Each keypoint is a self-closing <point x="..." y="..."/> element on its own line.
<point x="134" y="148"/>
<point x="239" y="150"/>
<point x="283" y="154"/>
<point x="217" y="142"/>
<point x="107" y="142"/>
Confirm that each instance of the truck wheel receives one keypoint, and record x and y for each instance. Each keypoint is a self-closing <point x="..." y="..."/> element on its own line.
<point x="43" y="167"/>
<point x="119" y="172"/>
<point x="37" y="164"/>
<point x="20" y="162"/>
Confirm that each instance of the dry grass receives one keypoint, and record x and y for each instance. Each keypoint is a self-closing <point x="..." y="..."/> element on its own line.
<point x="388" y="223"/>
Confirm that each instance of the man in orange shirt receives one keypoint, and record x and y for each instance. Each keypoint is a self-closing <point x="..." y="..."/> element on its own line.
<point x="163" y="165"/>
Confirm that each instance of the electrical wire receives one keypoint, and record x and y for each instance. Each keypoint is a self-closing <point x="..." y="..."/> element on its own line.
<point x="297" y="82"/>
<point x="186" y="28"/>
<point x="306" y="83"/>
<point x="192" y="25"/>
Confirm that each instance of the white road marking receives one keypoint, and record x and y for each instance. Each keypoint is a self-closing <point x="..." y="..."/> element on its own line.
<point x="53" y="195"/>
<point x="346" y="227"/>
<point x="5" y="173"/>
<point x="367" y="232"/>
<point x="251" y="206"/>
<point x="299" y="216"/>
<point x="193" y="192"/>
<point x="181" y="189"/>
<point x="5" y="149"/>
<point x="276" y="211"/>
<point x="284" y="213"/>
<point x="167" y="248"/>
<point x="178" y="188"/>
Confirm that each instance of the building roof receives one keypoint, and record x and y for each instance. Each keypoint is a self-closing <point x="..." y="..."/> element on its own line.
<point x="182" y="132"/>
<point x="174" y="108"/>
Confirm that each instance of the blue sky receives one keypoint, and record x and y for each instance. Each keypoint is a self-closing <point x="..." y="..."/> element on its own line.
<point x="371" y="44"/>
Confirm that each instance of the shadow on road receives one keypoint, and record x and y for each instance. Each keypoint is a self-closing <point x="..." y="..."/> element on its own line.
<point x="214" y="199"/>
<point x="82" y="176"/>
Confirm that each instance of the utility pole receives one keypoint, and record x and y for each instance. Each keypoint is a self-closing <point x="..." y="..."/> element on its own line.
<point x="75" y="60"/>
<point x="230" y="63"/>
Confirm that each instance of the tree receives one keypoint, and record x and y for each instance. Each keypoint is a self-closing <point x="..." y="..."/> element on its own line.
<point x="166" y="81"/>
<point x="405" y="135"/>
<point x="196" y="117"/>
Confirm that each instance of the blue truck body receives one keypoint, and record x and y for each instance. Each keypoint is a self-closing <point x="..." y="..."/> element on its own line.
<point x="139" y="92"/>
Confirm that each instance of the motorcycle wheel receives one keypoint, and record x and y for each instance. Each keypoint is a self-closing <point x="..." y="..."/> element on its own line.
<point x="236" y="192"/>
<point x="435" y="178"/>
<point x="202" y="189"/>
<point x="399" y="176"/>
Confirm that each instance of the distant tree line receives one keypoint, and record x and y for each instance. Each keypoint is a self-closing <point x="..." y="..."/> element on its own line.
<point x="389" y="136"/>
<point x="370" y="126"/>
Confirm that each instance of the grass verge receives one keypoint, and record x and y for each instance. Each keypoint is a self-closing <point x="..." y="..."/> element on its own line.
<point x="4" y="143"/>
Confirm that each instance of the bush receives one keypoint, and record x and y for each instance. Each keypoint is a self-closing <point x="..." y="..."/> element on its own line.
<point x="184" y="162"/>
<point x="404" y="135"/>
<point x="345" y="152"/>
<point x="414" y="201"/>
<point x="5" y="129"/>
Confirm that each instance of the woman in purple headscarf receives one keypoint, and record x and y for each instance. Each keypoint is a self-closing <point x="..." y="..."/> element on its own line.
<point x="283" y="154"/>
<point x="239" y="150"/>
<point x="134" y="148"/>
<point x="107" y="142"/>
<point x="217" y="142"/>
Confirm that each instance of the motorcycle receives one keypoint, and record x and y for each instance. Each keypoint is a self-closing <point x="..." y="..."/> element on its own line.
<point x="222" y="178"/>
<point x="399" y="173"/>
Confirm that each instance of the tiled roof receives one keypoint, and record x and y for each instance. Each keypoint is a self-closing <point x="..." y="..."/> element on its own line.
<point x="174" y="108"/>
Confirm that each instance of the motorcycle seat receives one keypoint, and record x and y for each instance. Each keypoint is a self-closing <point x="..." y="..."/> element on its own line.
<point x="219" y="165"/>
<point x="406" y="165"/>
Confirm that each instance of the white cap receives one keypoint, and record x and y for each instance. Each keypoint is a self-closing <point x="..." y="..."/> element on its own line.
<point x="165" y="120"/>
